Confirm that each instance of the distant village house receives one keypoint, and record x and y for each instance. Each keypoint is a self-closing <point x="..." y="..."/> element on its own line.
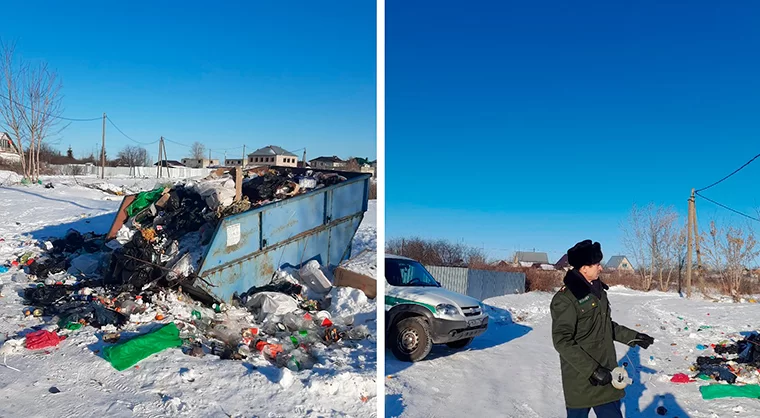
<point x="619" y="262"/>
<point x="272" y="155"/>
<point x="328" y="163"/>
<point x="233" y="162"/>
<point x="200" y="162"/>
<point x="532" y="259"/>
<point x="169" y="164"/>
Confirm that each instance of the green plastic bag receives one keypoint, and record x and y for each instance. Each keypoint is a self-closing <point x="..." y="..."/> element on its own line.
<point x="730" y="391"/>
<point x="127" y="354"/>
<point x="143" y="200"/>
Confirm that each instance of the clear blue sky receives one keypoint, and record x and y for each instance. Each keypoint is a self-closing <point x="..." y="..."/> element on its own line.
<point x="520" y="125"/>
<point x="222" y="73"/>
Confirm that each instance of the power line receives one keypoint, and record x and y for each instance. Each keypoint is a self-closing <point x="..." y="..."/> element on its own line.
<point x="726" y="207"/>
<point x="225" y="149"/>
<point x="127" y="136"/>
<point x="735" y="171"/>
<point x="48" y="114"/>
<point x="177" y="143"/>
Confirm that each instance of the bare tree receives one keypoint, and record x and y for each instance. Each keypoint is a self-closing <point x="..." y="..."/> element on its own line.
<point x="31" y="106"/>
<point x="673" y="243"/>
<point x="134" y="156"/>
<point x="198" y="150"/>
<point x="653" y="241"/>
<point x="45" y="108"/>
<point x="729" y="253"/>
<point x="436" y="252"/>
<point x="352" y="165"/>
<point x="12" y="76"/>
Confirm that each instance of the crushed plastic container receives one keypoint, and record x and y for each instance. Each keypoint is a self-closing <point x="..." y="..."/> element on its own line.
<point x="312" y="277"/>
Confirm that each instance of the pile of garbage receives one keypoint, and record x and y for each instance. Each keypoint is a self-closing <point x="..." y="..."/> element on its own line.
<point x="168" y="229"/>
<point x="136" y="278"/>
<point x="733" y="361"/>
<point x="287" y="322"/>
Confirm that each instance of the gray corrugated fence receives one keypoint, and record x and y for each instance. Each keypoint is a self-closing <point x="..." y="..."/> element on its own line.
<point x="480" y="284"/>
<point x="452" y="278"/>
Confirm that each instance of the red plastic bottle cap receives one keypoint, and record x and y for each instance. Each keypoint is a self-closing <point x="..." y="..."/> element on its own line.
<point x="307" y="316"/>
<point x="254" y="331"/>
<point x="29" y="262"/>
<point x="326" y="322"/>
<point x="14" y="263"/>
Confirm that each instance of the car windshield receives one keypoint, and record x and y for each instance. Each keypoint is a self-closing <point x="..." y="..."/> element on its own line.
<point x="399" y="272"/>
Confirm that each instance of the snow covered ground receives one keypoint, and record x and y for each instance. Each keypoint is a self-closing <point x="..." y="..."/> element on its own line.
<point x="513" y="371"/>
<point x="169" y="383"/>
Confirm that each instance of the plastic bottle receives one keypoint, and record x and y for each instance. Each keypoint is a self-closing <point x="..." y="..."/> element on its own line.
<point x="358" y="333"/>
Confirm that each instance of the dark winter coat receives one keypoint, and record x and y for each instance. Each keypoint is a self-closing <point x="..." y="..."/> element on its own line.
<point x="583" y="333"/>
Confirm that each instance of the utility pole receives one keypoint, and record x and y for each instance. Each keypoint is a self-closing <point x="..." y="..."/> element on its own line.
<point x="209" y="155"/>
<point x="690" y="243"/>
<point x="161" y="159"/>
<point x="304" y="157"/>
<point x="244" y="157"/>
<point x="696" y="244"/>
<point x="103" y="150"/>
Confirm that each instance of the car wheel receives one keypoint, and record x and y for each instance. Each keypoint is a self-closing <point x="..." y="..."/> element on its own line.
<point x="411" y="339"/>
<point x="460" y="343"/>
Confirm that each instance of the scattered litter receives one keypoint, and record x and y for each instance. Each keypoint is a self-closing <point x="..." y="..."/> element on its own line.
<point x="42" y="339"/>
<point x="127" y="354"/>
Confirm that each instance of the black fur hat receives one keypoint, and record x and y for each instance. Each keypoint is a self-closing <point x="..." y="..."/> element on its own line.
<point x="584" y="253"/>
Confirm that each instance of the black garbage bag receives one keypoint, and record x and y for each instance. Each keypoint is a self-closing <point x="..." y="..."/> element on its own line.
<point x="51" y="265"/>
<point x="46" y="295"/>
<point x="133" y="264"/>
<point x="265" y="187"/>
<point x="92" y="312"/>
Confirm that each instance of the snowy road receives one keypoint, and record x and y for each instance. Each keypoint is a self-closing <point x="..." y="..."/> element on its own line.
<point x="513" y="370"/>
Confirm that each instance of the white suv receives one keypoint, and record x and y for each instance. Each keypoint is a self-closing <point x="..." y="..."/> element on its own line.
<point x="420" y="313"/>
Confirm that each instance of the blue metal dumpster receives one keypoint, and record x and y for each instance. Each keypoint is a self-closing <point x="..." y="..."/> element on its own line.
<point x="248" y="248"/>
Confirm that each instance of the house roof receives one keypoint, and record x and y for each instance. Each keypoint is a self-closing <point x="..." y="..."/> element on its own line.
<point x="269" y="151"/>
<point x="8" y="141"/>
<point x="615" y="261"/>
<point x="169" y="162"/>
<point x="562" y="262"/>
<point x="531" y="257"/>
<point x="333" y="159"/>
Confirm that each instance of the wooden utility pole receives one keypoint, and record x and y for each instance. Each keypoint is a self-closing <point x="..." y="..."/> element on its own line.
<point x="690" y="243"/>
<point x="209" y="156"/>
<point x="244" y="157"/>
<point x="304" y="157"/>
<point x="103" y="150"/>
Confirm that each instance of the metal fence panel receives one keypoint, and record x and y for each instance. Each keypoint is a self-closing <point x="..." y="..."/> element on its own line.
<point x="484" y="284"/>
<point x="142" y="172"/>
<point x="451" y="278"/>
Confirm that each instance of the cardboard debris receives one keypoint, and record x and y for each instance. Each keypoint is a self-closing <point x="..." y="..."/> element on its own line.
<point x="349" y="278"/>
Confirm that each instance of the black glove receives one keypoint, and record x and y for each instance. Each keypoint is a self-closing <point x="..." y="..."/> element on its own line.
<point x="643" y="340"/>
<point x="600" y="377"/>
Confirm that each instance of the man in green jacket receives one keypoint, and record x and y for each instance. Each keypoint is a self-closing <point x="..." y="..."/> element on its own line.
<point x="584" y="334"/>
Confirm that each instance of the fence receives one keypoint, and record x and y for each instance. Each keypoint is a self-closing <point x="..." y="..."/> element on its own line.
<point x="479" y="284"/>
<point x="141" y="172"/>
